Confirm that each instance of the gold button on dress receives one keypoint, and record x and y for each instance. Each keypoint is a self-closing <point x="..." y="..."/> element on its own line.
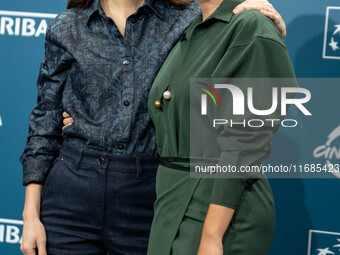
<point x="157" y="104"/>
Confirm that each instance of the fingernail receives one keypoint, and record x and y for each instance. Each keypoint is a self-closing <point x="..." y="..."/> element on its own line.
<point x="235" y="11"/>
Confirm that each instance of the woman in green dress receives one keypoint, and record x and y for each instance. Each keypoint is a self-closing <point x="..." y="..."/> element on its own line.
<point x="230" y="216"/>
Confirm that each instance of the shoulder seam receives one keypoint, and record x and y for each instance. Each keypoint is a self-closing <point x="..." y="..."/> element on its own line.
<point x="259" y="37"/>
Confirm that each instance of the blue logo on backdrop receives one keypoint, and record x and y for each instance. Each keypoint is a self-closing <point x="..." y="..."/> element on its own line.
<point x="331" y="47"/>
<point x="323" y="243"/>
<point x="27" y="24"/>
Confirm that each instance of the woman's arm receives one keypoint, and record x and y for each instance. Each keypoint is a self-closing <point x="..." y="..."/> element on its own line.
<point x="215" y="225"/>
<point x="34" y="235"/>
<point x="256" y="51"/>
<point x="45" y="137"/>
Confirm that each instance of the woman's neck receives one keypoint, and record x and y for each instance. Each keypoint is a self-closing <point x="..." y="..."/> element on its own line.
<point x="120" y="10"/>
<point x="208" y="7"/>
<point x="125" y="7"/>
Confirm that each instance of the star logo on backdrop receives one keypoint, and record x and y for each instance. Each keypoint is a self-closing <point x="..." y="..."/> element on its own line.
<point x="329" y="250"/>
<point x="337" y="245"/>
<point x="323" y="242"/>
<point x="325" y="251"/>
<point x="337" y="30"/>
<point x="334" y="44"/>
<point x="331" y="43"/>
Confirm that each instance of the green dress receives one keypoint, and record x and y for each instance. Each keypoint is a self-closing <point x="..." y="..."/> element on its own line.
<point x="224" y="45"/>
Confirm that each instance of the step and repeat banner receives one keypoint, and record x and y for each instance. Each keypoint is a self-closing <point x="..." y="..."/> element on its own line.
<point x="307" y="210"/>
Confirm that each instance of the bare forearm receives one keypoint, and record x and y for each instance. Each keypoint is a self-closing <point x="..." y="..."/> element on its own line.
<point x="217" y="221"/>
<point x="33" y="235"/>
<point x="32" y="200"/>
<point x="215" y="225"/>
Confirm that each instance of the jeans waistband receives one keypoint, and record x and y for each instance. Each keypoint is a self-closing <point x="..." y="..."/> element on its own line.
<point x="107" y="160"/>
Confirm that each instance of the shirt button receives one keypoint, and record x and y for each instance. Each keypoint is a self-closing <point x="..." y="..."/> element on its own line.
<point x="158" y="104"/>
<point x="167" y="95"/>
<point x="120" y="146"/>
<point x="101" y="160"/>
<point x="126" y="62"/>
<point x="133" y="20"/>
<point x="126" y="103"/>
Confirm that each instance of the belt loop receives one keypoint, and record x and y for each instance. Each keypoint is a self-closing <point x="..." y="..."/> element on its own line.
<point x="78" y="158"/>
<point x="139" y="167"/>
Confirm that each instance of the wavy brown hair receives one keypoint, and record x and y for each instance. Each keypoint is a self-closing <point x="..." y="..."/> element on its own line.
<point x="82" y="4"/>
<point x="180" y="2"/>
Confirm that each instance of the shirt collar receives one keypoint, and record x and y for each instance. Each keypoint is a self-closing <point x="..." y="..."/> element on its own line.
<point x="95" y="8"/>
<point x="225" y="11"/>
<point x="157" y="6"/>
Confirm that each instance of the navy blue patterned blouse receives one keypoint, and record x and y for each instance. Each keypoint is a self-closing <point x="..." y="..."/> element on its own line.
<point x="102" y="80"/>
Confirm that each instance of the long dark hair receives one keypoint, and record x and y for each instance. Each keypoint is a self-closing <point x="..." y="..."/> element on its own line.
<point x="180" y="2"/>
<point x="82" y="4"/>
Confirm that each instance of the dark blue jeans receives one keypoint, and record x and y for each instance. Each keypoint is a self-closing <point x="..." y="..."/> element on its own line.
<point x="94" y="203"/>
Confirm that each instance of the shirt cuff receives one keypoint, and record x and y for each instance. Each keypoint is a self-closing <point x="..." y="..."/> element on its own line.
<point x="228" y="187"/>
<point x="228" y="192"/>
<point x="35" y="170"/>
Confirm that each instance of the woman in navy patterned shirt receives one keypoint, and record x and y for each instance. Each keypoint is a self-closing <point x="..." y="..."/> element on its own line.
<point x="91" y="186"/>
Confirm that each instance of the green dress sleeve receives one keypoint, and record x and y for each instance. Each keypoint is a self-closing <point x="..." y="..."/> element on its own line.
<point x="262" y="57"/>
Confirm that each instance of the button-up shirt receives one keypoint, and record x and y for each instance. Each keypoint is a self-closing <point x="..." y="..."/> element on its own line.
<point x="102" y="79"/>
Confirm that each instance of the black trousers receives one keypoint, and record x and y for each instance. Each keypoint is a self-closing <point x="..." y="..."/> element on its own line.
<point x="96" y="203"/>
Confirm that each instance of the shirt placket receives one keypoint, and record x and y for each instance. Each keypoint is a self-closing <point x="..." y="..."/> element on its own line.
<point x="127" y="97"/>
<point x="126" y="83"/>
